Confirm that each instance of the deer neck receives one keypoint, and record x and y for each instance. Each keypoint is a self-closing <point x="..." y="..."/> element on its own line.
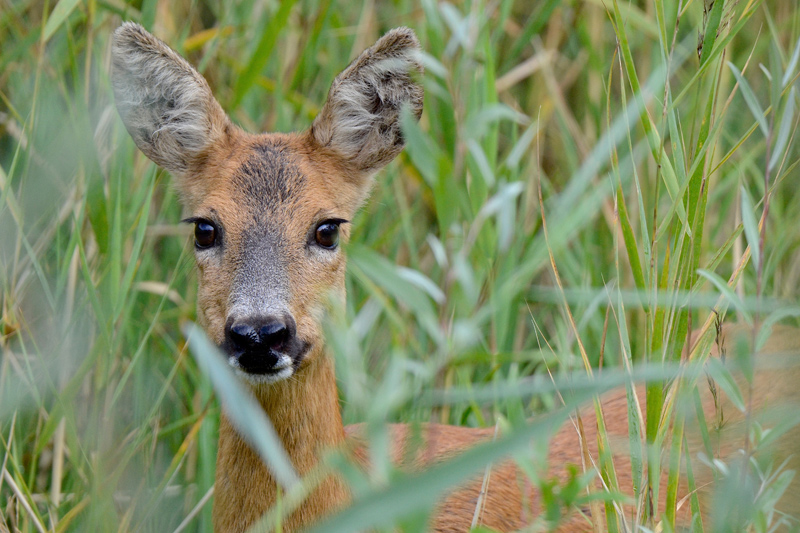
<point x="305" y="413"/>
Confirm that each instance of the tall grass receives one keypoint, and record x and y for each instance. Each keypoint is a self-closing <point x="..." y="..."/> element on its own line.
<point x="589" y="182"/>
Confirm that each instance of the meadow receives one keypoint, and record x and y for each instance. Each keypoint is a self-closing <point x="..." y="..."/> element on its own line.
<point x="590" y="181"/>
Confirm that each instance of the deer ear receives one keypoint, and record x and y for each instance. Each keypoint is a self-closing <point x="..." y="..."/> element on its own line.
<point x="360" y="122"/>
<point x="165" y="104"/>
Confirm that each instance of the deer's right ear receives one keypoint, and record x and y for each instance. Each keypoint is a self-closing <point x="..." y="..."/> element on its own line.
<point x="166" y="105"/>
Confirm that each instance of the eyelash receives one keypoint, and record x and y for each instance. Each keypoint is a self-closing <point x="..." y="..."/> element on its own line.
<point x="215" y="230"/>
<point x="327" y="231"/>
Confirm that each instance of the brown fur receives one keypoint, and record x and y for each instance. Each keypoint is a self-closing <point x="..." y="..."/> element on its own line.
<point x="510" y="501"/>
<point x="270" y="190"/>
<point x="244" y="488"/>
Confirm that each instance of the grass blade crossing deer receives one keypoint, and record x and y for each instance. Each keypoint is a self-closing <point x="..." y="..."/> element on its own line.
<point x="269" y="213"/>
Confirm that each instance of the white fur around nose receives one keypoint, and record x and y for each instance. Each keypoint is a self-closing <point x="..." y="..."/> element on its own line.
<point x="284" y="369"/>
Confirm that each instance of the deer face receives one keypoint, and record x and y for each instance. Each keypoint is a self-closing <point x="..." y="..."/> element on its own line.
<point x="266" y="240"/>
<point x="269" y="211"/>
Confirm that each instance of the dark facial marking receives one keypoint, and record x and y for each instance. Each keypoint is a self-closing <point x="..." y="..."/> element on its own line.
<point x="268" y="181"/>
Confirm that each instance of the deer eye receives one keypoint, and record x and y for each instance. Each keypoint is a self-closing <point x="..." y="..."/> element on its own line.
<point x="327" y="234"/>
<point x="205" y="234"/>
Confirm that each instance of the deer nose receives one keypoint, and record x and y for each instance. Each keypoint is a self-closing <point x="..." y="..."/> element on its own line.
<point x="257" y="343"/>
<point x="248" y="336"/>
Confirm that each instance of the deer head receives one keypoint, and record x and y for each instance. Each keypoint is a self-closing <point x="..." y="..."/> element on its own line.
<point x="270" y="210"/>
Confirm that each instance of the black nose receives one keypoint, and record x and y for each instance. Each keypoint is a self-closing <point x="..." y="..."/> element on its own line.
<point x="251" y="337"/>
<point x="257" y="343"/>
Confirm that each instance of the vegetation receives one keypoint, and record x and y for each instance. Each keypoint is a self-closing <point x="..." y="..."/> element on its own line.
<point x="589" y="182"/>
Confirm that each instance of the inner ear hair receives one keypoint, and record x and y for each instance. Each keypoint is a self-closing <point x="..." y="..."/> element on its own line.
<point x="360" y="122"/>
<point x="165" y="104"/>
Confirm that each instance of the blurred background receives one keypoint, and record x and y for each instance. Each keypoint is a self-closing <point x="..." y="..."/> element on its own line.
<point x="654" y="141"/>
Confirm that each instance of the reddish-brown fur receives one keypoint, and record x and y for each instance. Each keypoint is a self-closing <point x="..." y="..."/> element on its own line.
<point x="511" y="503"/>
<point x="207" y="155"/>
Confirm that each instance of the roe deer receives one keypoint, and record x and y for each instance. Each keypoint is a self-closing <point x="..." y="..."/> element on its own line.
<point x="269" y="212"/>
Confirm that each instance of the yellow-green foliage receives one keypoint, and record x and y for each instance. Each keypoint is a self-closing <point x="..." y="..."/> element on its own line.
<point x="654" y="139"/>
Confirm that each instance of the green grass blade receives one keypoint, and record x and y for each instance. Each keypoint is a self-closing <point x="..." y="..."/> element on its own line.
<point x="750" y="99"/>
<point x="58" y="16"/>
<point x="262" y="52"/>
<point x="245" y="413"/>
<point x="751" y="228"/>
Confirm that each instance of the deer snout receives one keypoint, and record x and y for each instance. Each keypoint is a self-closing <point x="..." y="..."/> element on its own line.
<point x="261" y="345"/>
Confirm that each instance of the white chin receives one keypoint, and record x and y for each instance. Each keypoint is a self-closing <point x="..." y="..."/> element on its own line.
<point x="283" y="370"/>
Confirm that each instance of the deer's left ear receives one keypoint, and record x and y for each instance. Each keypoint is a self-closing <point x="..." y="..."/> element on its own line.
<point x="360" y="122"/>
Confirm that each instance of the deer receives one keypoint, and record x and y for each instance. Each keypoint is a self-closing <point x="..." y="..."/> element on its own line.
<point x="271" y="212"/>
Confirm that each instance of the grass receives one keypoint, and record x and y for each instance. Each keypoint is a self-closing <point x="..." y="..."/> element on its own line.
<point x="589" y="180"/>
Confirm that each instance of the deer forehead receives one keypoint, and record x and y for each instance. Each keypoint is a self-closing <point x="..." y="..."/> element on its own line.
<point x="267" y="194"/>
<point x="272" y="182"/>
